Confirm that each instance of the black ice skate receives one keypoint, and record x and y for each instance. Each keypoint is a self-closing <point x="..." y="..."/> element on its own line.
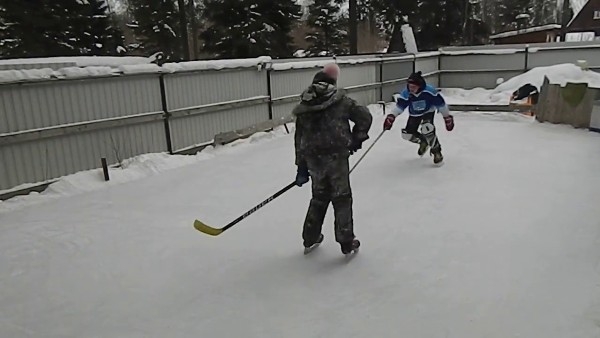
<point x="438" y="158"/>
<point x="422" y="148"/>
<point x="308" y="247"/>
<point x="350" y="247"/>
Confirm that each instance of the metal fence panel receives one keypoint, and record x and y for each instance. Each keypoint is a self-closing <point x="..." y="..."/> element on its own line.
<point x="548" y="57"/>
<point x="361" y="75"/>
<point x="283" y="110"/>
<point x="470" y="62"/>
<point x="51" y="103"/>
<point x="396" y="71"/>
<point x="201" y="128"/>
<point x="184" y="90"/>
<point x="427" y="64"/>
<point x="365" y="97"/>
<point x="291" y="82"/>
<point x="485" y="80"/>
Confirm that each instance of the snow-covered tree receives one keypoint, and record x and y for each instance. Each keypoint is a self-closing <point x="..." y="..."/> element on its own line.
<point x="39" y="28"/>
<point x="101" y="35"/>
<point x="328" y="24"/>
<point x="156" y="27"/>
<point x="249" y="28"/>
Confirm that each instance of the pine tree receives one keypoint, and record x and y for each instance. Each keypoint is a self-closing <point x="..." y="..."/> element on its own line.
<point x="101" y="35"/>
<point x="249" y="28"/>
<point x="42" y="28"/>
<point x="328" y="36"/>
<point x="155" y="26"/>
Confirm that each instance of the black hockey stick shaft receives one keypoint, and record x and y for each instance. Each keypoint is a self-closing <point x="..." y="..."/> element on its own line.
<point x="200" y="226"/>
<point x="260" y="205"/>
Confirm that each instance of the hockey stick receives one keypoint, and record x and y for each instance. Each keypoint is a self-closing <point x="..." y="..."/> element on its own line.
<point x="367" y="151"/>
<point x="203" y="227"/>
<point x="217" y="231"/>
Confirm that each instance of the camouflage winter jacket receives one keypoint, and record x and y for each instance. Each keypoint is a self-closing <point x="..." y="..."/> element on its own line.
<point x="323" y="122"/>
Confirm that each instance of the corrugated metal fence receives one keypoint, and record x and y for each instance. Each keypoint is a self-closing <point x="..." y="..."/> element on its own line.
<point x="463" y="67"/>
<point x="55" y="127"/>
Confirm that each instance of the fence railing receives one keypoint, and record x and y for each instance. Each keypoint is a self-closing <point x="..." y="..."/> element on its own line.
<point x="57" y="122"/>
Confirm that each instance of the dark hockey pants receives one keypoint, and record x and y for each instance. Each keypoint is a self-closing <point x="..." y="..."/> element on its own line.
<point x="428" y="128"/>
<point x="330" y="176"/>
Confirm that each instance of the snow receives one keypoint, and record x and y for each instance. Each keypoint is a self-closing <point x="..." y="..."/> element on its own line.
<point x="409" y="39"/>
<point x="475" y="96"/>
<point x="82" y="61"/>
<point x="557" y="74"/>
<point x="321" y="63"/>
<point x="492" y="51"/>
<point x="502" y="241"/>
<point x="9" y="76"/>
<point x="525" y="30"/>
<point x="140" y="69"/>
<point x="215" y="64"/>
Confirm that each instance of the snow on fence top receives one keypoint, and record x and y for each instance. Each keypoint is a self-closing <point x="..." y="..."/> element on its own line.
<point x="80" y="61"/>
<point x="482" y="51"/>
<point x="126" y="68"/>
<point x="88" y="66"/>
<point x="519" y="48"/>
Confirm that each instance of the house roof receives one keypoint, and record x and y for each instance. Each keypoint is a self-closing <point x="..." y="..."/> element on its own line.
<point x="587" y="2"/>
<point x="525" y="31"/>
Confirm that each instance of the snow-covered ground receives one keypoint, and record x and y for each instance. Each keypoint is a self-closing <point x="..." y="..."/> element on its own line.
<point x="501" y="241"/>
<point x="557" y="74"/>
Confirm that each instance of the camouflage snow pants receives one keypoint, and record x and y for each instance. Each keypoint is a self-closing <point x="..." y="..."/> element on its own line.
<point x="330" y="177"/>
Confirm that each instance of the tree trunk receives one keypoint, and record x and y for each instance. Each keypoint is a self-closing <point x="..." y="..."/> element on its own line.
<point x="396" y="41"/>
<point x="353" y="23"/>
<point x="185" y="43"/>
<point x="563" y="21"/>
<point x="194" y="29"/>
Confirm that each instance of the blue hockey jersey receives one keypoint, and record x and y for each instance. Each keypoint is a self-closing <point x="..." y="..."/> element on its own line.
<point x="426" y="101"/>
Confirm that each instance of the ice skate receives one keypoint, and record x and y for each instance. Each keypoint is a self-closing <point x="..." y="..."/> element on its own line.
<point x="423" y="146"/>
<point x="308" y="247"/>
<point x="350" y="247"/>
<point x="438" y="158"/>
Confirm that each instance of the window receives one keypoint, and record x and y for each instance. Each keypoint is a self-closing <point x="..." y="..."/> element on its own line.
<point x="596" y="15"/>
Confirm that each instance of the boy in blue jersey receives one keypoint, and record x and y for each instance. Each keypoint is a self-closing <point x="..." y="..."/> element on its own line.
<point x="422" y="101"/>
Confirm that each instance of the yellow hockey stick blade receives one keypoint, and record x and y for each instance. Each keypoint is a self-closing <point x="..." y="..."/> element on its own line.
<point x="207" y="229"/>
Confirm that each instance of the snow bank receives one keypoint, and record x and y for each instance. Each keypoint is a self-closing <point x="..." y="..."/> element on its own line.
<point x="557" y="74"/>
<point x="475" y="96"/>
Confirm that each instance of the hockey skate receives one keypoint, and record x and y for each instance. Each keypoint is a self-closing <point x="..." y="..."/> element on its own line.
<point x="350" y="247"/>
<point x="438" y="158"/>
<point x="308" y="247"/>
<point x="423" y="146"/>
